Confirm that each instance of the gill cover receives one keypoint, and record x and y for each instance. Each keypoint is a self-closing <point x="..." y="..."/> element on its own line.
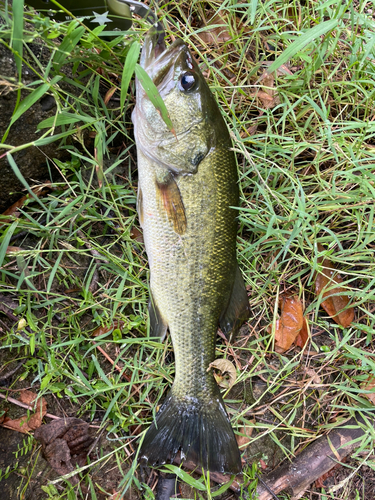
<point x="189" y="102"/>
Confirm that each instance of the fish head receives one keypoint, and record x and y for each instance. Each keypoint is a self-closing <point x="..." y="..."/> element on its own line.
<point x="191" y="107"/>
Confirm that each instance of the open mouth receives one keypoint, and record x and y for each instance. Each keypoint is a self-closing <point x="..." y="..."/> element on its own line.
<point x="156" y="55"/>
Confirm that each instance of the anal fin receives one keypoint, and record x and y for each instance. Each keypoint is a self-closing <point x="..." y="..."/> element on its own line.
<point x="171" y="201"/>
<point x="237" y="310"/>
<point x="158" y="326"/>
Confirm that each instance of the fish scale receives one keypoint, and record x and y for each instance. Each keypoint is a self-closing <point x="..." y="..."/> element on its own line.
<point x="189" y="226"/>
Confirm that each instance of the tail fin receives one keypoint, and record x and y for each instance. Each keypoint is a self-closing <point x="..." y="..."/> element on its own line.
<point x="201" y="432"/>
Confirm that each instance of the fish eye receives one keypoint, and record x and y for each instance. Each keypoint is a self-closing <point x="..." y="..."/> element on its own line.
<point x="187" y="81"/>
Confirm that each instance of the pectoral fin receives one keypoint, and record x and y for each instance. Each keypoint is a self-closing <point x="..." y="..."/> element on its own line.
<point x="171" y="201"/>
<point x="237" y="310"/>
<point x="158" y="327"/>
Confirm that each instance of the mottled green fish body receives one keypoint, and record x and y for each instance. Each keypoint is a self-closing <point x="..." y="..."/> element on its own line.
<point x="188" y="186"/>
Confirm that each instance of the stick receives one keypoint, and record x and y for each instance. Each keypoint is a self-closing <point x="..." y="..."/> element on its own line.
<point x="315" y="460"/>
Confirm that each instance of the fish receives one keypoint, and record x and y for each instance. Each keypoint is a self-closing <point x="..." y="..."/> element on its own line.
<point x="186" y="202"/>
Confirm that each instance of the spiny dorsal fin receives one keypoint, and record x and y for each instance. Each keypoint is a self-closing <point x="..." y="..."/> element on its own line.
<point x="171" y="201"/>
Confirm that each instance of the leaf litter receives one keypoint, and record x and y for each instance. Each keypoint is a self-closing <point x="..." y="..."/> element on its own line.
<point x="27" y="423"/>
<point x="291" y="327"/>
<point x="336" y="301"/>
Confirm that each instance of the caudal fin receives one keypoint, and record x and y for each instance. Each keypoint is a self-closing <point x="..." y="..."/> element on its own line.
<point x="202" y="433"/>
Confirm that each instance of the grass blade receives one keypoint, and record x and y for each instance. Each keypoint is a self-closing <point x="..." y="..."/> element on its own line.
<point x="17" y="34"/>
<point x="301" y="42"/>
<point x="129" y="68"/>
<point x="154" y="96"/>
<point x="64" y="119"/>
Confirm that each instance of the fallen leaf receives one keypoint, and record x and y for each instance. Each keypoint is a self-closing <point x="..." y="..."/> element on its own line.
<point x="228" y="374"/>
<point x="335" y="304"/>
<point x="303" y="336"/>
<point x="136" y="234"/>
<point x="26" y="424"/>
<point x="115" y="496"/>
<point x="218" y="33"/>
<point x="244" y="439"/>
<point x="10" y="250"/>
<point x="263" y="464"/>
<point x="38" y="191"/>
<point x="319" y="483"/>
<point x="313" y="375"/>
<point x="101" y="330"/>
<point x="65" y="442"/>
<point x="369" y="385"/>
<point x="109" y="94"/>
<point x="290" y="323"/>
<point x="268" y="96"/>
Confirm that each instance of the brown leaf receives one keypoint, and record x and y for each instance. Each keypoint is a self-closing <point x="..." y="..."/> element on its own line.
<point x="109" y="94"/>
<point x="303" y="336"/>
<point x="290" y="323"/>
<point x="11" y="250"/>
<point x="136" y="234"/>
<point x="268" y="96"/>
<point x="228" y="374"/>
<point x="245" y="439"/>
<point x="219" y="33"/>
<point x="62" y="440"/>
<point x="25" y="424"/>
<point x="263" y="464"/>
<point x="314" y="376"/>
<point x="369" y="385"/>
<point x="101" y="330"/>
<point x="38" y="191"/>
<point x="335" y="304"/>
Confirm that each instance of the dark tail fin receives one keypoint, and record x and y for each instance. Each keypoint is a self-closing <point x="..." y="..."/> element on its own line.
<point x="201" y="432"/>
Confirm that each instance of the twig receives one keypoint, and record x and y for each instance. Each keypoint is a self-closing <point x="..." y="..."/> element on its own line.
<point x="118" y="368"/>
<point x="29" y="407"/>
<point x="314" y="461"/>
<point x="23" y="405"/>
<point x="11" y="373"/>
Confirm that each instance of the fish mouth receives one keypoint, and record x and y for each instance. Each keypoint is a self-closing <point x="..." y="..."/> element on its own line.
<point x="156" y="56"/>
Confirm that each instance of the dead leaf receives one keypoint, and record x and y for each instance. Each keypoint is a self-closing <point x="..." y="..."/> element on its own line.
<point x="219" y="33"/>
<point x="303" y="336"/>
<point x="25" y="424"/>
<point x="319" y="483"/>
<point x="263" y="464"/>
<point x="369" y="385"/>
<point x="290" y="323"/>
<point x="313" y="375"/>
<point x="249" y="131"/>
<point x="38" y="191"/>
<point x="136" y="234"/>
<point x="335" y="304"/>
<point x="268" y="96"/>
<point x="244" y="439"/>
<point x="228" y="374"/>
<point x="109" y="94"/>
<point x="65" y="442"/>
<point x="101" y="330"/>
<point x="10" y="250"/>
<point x="115" y="495"/>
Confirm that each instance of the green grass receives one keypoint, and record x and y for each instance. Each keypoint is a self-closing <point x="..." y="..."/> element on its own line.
<point x="307" y="178"/>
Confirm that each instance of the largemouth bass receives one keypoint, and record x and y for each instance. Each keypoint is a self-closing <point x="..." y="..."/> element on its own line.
<point x="186" y="194"/>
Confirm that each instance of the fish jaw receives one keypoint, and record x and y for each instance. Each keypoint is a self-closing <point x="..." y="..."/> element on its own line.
<point x="193" y="113"/>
